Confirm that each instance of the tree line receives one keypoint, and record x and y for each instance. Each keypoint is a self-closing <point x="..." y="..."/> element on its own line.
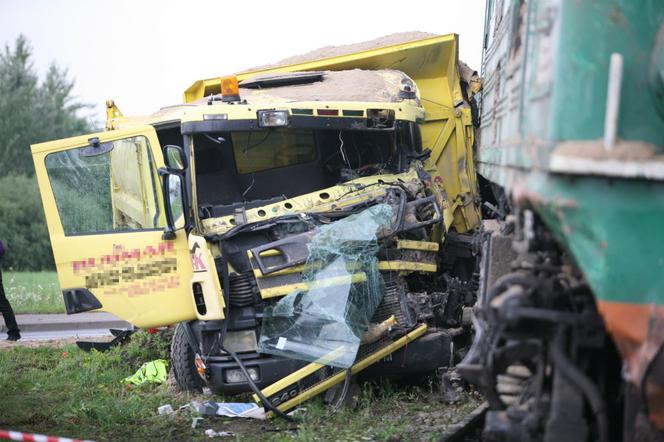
<point x="32" y="110"/>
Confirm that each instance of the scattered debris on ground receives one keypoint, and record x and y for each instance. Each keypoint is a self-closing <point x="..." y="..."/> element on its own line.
<point x="153" y="372"/>
<point x="88" y="401"/>
<point x="230" y="409"/>
<point x="211" y="433"/>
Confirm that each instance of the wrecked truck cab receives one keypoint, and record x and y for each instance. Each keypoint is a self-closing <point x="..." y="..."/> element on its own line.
<point x="273" y="161"/>
<point x="242" y="169"/>
<point x="264" y="192"/>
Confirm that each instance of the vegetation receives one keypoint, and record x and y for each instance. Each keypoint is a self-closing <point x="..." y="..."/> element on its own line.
<point x="66" y="392"/>
<point x="33" y="292"/>
<point x="31" y="111"/>
<point x="22" y="225"/>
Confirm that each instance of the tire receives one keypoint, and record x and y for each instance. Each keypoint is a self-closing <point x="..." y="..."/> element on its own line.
<point x="183" y="364"/>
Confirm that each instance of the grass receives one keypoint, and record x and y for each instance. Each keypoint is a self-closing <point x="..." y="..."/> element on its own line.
<point x="33" y="292"/>
<point x="66" y="392"/>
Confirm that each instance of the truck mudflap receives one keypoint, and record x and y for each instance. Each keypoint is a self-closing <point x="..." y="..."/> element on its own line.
<point x="317" y="377"/>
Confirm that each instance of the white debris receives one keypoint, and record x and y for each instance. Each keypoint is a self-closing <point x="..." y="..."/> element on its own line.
<point x="211" y="433"/>
<point x="165" y="409"/>
<point x="230" y="409"/>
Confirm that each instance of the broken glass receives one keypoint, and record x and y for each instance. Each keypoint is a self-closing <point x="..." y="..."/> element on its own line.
<point x="342" y="289"/>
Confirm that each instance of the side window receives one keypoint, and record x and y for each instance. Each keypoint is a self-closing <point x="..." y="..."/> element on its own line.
<point x="106" y="187"/>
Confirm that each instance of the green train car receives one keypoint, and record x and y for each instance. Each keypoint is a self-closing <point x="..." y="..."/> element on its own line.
<point x="570" y="153"/>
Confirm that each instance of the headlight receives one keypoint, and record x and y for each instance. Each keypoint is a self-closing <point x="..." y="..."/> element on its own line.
<point x="272" y="118"/>
<point x="235" y="375"/>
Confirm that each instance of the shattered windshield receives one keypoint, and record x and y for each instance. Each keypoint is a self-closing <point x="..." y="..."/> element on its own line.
<point x="253" y="168"/>
<point x="343" y="289"/>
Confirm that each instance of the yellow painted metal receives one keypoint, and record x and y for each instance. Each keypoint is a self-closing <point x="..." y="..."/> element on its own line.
<point x="194" y="186"/>
<point x="389" y="322"/>
<point x="101" y="262"/>
<point x="312" y="367"/>
<point x="447" y="128"/>
<point x="423" y="58"/>
<point x="112" y="112"/>
<point x="282" y="290"/>
<point x="300" y="374"/>
<point x="400" y="266"/>
<point x="409" y="244"/>
<point x="325" y="200"/>
<point x="409" y="111"/>
<point x="339" y="377"/>
<point x="132" y="188"/>
<point x="386" y="266"/>
<point x="165" y="115"/>
<point x="287" y="271"/>
<point x="272" y="252"/>
<point x="376" y="331"/>
<point x="205" y="274"/>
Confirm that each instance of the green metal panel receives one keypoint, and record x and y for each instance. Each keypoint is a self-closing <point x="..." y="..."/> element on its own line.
<point x="546" y="70"/>
<point x="590" y="31"/>
<point x="612" y="229"/>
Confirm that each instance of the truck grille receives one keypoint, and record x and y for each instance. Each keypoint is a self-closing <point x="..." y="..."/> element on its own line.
<point x="394" y="302"/>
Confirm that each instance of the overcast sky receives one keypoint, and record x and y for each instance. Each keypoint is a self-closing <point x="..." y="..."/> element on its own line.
<point x="144" y="54"/>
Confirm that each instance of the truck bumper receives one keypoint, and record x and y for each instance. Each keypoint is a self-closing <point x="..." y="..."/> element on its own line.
<point x="431" y="351"/>
<point x="268" y="370"/>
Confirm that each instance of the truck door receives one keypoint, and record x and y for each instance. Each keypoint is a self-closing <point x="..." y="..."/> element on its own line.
<point x="105" y="213"/>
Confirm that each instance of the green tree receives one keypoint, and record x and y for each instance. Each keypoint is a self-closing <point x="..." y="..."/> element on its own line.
<point x="22" y="225"/>
<point x="30" y="112"/>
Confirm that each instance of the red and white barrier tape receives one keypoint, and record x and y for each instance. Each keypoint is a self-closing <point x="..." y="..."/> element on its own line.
<point x="30" y="437"/>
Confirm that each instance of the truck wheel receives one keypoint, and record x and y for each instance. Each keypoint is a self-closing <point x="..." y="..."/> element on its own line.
<point x="182" y="361"/>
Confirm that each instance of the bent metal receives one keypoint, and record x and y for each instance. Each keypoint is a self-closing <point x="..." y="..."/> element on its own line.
<point x="242" y="180"/>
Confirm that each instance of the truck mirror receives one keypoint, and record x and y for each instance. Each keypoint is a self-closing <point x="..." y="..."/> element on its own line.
<point x="175" y="159"/>
<point x="175" y="196"/>
<point x="173" y="200"/>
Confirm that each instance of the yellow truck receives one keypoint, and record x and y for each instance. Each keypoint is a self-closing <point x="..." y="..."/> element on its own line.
<point x="300" y="223"/>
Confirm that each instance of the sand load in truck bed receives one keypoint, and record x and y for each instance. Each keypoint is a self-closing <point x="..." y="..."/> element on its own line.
<point x="467" y="74"/>
<point x="420" y="55"/>
<point x="353" y="85"/>
<point x="336" y="51"/>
